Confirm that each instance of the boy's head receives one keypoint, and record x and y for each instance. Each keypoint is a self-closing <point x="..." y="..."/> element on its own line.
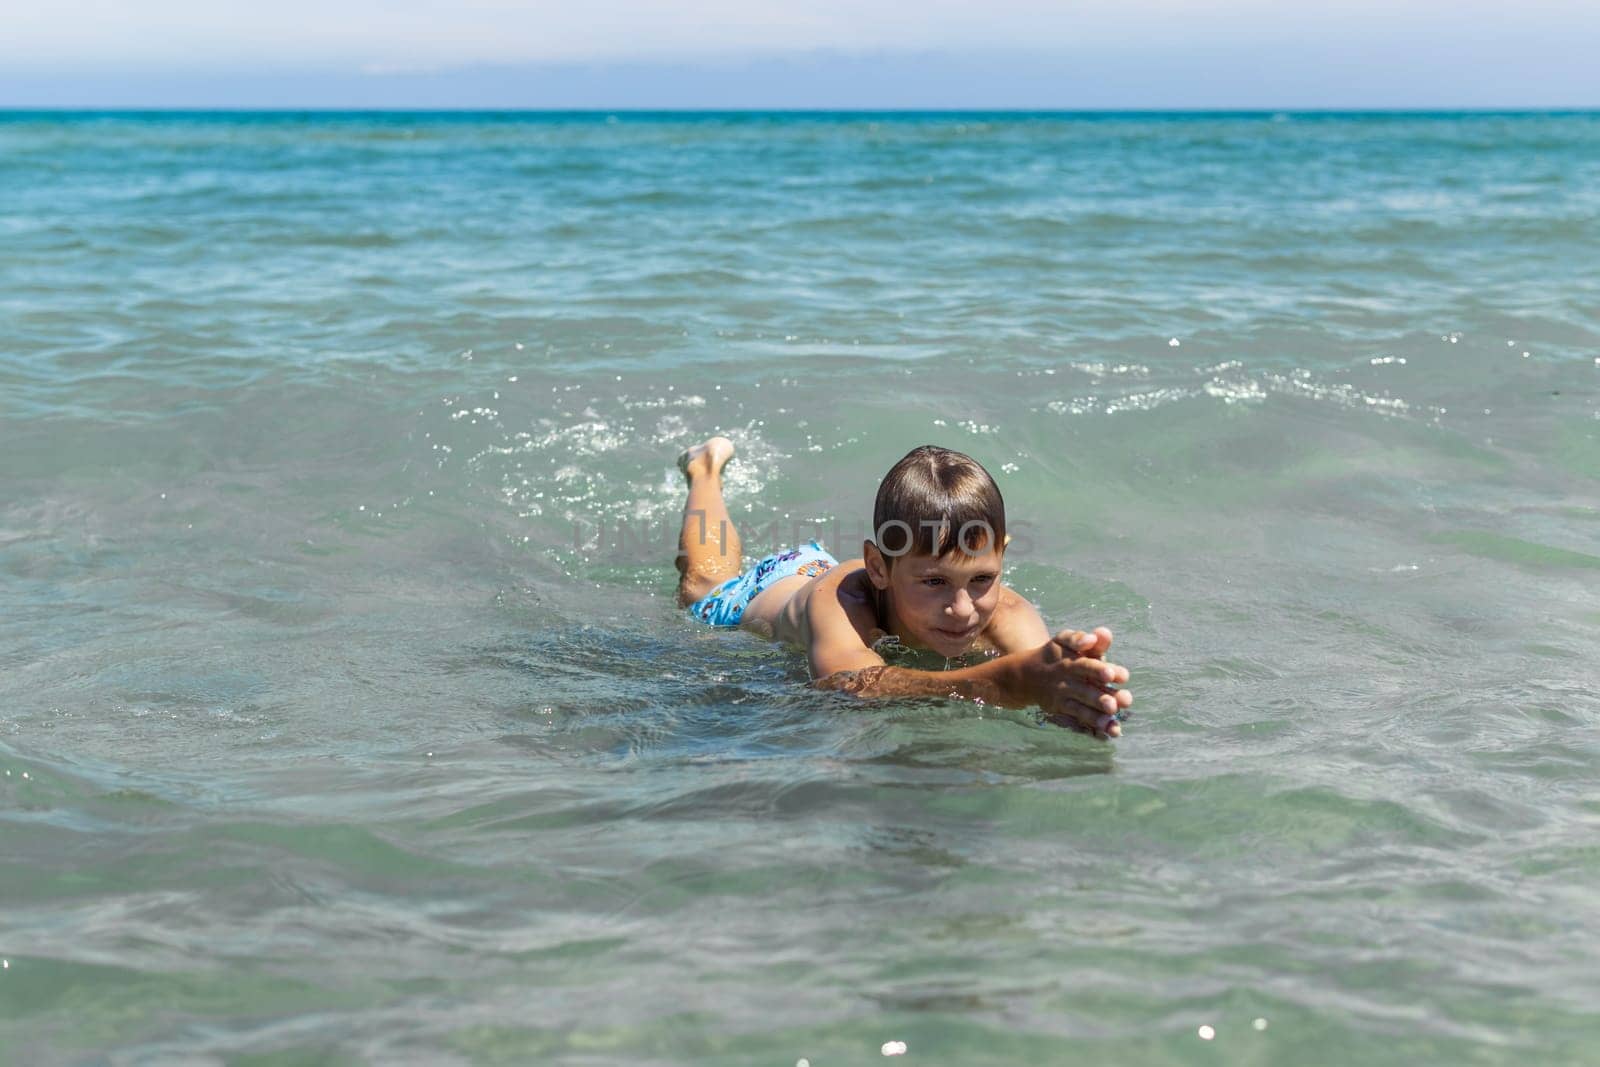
<point x="940" y="529"/>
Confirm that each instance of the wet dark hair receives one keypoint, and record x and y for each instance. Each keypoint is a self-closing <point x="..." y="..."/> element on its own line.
<point x="935" y="501"/>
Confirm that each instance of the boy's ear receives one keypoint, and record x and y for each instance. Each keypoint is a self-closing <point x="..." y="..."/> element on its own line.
<point x="877" y="566"/>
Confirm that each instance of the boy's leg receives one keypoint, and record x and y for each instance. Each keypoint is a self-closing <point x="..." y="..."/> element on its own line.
<point x="709" y="550"/>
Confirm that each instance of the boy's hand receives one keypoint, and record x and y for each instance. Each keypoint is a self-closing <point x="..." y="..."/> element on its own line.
<point x="1070" y="681"/>
<point x="1094" y="644"/>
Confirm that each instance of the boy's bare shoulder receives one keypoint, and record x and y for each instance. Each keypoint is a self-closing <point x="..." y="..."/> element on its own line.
<point x="1013" y="601"/>
<point x="846" y="583"/>
<point x="849" y="577"/>
<point x="1016" y="624"/>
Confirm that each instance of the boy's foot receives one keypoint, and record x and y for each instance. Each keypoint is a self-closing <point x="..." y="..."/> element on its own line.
<point x="707" y="457"/>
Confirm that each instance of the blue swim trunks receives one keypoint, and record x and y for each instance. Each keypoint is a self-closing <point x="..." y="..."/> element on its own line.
<point x="724" y="605"/>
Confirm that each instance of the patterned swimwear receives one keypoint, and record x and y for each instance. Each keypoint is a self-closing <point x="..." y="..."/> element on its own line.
<point x="724" y="605"/>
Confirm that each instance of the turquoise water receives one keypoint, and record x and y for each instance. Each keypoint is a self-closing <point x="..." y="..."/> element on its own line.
<point x="345" y="716"/>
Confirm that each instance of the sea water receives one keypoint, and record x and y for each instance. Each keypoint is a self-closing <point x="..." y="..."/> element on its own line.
<point x="346" y="716"/>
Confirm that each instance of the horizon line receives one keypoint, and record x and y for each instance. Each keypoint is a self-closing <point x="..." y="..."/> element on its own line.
<point x="1398" y="109"/>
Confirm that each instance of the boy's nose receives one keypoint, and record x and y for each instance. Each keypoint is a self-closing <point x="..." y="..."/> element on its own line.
<point x="961" y="607"/>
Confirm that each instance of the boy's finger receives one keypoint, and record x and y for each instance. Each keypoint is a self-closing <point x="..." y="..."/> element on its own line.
<point x="1087" y="666"/>
<point x="1088" y="702"/>
<point x="1107" y="673"/>
<point x="1076" y="640"/>
<point x="1084" y="694"/>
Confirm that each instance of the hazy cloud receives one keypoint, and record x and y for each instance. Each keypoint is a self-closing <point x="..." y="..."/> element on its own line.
<point x="813" y="53"/>
<point x="413" y="35"/>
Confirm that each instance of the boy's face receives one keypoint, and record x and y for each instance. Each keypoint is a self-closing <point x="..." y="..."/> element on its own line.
<point x="941" y="604"/>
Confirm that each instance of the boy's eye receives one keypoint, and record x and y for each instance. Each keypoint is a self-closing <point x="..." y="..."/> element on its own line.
<point x="933" y="581"/>
<point x="984" y="579"/>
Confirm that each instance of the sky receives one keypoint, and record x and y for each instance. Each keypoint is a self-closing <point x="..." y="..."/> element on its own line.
<point x="1066" y="54"/>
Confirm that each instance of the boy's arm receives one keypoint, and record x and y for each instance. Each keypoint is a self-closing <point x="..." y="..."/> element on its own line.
<point x="990" y="682"/>
<point x="1017" y="626"/>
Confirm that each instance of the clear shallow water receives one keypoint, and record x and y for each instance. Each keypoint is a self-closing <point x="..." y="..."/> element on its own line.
<point x="344" y="714"/>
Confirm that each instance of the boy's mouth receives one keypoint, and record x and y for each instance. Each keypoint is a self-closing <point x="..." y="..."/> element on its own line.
<point x="960" y="635"/>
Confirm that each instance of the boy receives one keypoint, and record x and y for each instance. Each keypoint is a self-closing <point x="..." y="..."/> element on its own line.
<point x="931" y="578"/>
